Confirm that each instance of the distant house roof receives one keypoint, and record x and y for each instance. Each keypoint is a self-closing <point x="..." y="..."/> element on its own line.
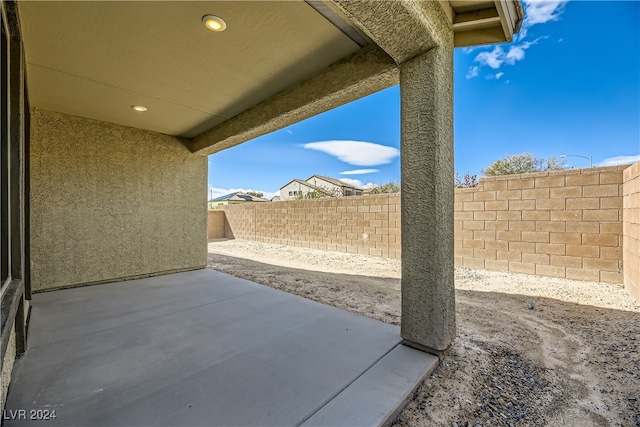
<point x="335" y="182"/>
<point x="307" y="184"/>
<point x="239" y="197"/>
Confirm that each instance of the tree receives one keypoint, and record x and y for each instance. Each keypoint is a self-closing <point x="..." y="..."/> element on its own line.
<point x="389" y="187"/>
<point x="315" y="194"/>
<point x="556" y="163"/>
<point x="255" y="193"/>
<point x="523" y="163"/>
<point x="466" y="181"/>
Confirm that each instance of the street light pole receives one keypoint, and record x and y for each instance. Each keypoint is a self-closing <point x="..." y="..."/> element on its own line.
<point x="590" y="158"/>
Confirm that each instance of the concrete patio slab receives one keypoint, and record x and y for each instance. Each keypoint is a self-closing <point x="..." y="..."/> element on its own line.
<point x="203" y="348"/>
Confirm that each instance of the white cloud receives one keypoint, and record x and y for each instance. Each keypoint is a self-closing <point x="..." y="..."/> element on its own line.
<point x="354" y="182"/>
<point x="358" y="153"/>
<point x="498" y="75"/>
<point x="619" y="160"/>
<point x="271" y="194"/>
<point x="542" y="11"/>
<point x="215" y="192"/>
<point x="521" y="35"/>
<point x="493" y="59"/>
<point x="473" y="72"/>
<point x="496" y="57"/>
<point x="516" y="53"/>
<point x="359" y="172"/>
<point x="536" y="12"/>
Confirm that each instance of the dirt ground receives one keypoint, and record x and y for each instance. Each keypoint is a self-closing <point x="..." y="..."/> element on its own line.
<point x="530" y="351"/>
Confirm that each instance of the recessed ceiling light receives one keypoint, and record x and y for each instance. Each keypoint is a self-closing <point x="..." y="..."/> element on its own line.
<point x="214" y="23"/>
<point x="139" y="108"/>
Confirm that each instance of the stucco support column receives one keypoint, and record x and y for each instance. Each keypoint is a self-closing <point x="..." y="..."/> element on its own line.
<point x="428" y="301"/>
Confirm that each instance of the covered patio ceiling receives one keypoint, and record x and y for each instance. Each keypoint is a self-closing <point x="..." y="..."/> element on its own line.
<point x="97" y="59"/>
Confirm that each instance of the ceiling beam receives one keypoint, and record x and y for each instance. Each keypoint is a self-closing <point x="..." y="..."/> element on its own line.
<point x="363" y="73"/>
<point x="402" y="28"/>
<point x="511" y="16"/>
<point x="477" y="19"/>
<point x="489" y="25"/>
<point x="332" y="15"/>
<point x="480" y="36"/>
<point x="407" y="28"/>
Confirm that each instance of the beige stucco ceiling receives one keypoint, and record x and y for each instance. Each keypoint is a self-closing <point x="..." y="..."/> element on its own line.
<point x="96" y="59"/>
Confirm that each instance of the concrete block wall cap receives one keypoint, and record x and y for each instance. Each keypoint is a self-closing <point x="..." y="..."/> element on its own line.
<point x="506" y="177"/>
<point x="536" y="174"/>
<point x="631" y="171"/>
<point x="567" y="172"/>
<point x="574" y="171"/>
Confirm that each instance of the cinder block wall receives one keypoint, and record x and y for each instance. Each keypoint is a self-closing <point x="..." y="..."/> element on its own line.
<point x="215" y="227"/>
<point x="364" y="224"/>
<point x="562" y="224"/>
<point x="240" y="221"/>
<point x="110" y="202"/>
<point x="631" y="230"/>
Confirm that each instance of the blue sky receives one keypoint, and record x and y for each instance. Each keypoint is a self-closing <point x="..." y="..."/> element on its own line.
<point x="568" y="84"/>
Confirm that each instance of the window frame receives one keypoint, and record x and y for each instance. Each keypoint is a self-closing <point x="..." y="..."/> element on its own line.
<point x="5" y="239"/>
<point x="14" y="192"/>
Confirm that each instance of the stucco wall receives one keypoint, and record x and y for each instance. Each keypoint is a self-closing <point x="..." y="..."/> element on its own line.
<point x="111" y="202"/>
<point x="215" y="224"/>
<point x="631" y="229"/>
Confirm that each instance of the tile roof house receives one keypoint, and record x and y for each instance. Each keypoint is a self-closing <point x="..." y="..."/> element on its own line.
<point x="299" y="189"/>
<point x="335" y="185"/>
<point x="317" y="186"/>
